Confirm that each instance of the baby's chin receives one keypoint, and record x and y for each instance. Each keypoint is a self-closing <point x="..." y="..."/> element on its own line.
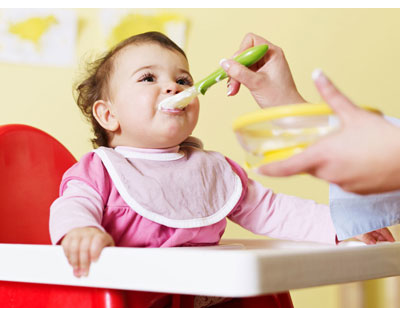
<point x="172" y="138"/>
<point x="173" y="141"/>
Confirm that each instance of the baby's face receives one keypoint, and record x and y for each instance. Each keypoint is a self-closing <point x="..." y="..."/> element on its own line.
<point x="143" y="76"/>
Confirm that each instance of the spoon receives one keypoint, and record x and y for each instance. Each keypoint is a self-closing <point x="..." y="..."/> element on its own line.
<point x="182" y="99"/>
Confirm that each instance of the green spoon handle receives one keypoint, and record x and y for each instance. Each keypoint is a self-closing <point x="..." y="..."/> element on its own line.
<point x="246" y="58"/>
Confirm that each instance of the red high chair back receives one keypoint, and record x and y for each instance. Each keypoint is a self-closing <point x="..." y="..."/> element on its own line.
<point x="31" y="166"/>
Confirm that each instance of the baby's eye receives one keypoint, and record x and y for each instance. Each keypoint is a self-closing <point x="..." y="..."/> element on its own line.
<point x="184" y="81"/>
<point x="147" y="78"/>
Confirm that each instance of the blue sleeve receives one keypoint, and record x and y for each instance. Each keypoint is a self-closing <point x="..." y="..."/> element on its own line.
<point x="354" y="214"/>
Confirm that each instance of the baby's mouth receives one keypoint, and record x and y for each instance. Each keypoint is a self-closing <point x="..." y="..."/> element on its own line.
<point x="172" y="111"/>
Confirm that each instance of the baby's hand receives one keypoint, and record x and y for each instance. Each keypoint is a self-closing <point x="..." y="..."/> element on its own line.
<point x="82" y="246"/>
<point x="371" y="238"/>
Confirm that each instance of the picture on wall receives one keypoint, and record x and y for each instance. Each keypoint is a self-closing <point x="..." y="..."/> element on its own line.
<point x="38" y="36"/>
<point x="119" y="24"/>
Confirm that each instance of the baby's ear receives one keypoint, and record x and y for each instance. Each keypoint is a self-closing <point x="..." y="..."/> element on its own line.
<point x="104" y="115"/>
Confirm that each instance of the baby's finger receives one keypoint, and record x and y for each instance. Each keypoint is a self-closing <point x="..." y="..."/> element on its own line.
<point x="96" y="247"/>
<point x="66" y="247"/>
<point x="84" y="256"/>
<point x="73" y="257"/>
<point x="98" y="243"/>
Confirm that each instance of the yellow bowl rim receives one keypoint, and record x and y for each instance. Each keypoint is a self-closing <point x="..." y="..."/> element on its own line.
<point x="301" y="109"/>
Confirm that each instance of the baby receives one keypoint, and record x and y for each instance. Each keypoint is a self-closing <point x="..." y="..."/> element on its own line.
<point x="148" y="183"/>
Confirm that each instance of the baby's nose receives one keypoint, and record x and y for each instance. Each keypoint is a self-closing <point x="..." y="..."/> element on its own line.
<point x="173" y="88"/>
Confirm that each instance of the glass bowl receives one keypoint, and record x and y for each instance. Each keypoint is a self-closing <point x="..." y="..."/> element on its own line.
<point x="279" y="132"/>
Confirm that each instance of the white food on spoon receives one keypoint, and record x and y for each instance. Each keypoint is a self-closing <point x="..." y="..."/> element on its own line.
<point x="180" y="100"/>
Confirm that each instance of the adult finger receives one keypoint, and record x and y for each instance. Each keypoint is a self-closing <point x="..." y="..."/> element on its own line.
<point x="305" y="161"/>
<point x="367" y="238"/>
<point x="251" y="40"/>
<point x="233" y="87"/>
<point x="386" y="234"/>
<point x="343" y="107"/>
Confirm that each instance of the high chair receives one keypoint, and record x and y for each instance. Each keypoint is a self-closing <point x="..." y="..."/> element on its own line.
<point x="247" y="272"/>
<point x="31" y="166"/>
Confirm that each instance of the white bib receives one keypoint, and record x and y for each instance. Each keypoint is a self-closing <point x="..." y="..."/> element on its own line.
<point x="187" y="189"/>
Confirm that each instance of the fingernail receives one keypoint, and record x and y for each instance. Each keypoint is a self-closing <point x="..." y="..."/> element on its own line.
<point x="77" y="273"/>
<point x="224" y="63"/>
<point x="317" y="73"/>
<point x="229" y="91"/>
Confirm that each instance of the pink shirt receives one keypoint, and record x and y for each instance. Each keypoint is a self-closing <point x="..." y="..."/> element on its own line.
<point x="88" y="197"/>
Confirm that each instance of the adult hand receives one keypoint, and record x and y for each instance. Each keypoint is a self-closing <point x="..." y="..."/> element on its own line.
<point x="269" y="80"/>
<point x="375" y="236"/>
<point x="363" y="156"/>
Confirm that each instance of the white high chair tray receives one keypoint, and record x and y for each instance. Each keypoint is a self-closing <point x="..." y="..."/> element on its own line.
<point x="236" y="268"/>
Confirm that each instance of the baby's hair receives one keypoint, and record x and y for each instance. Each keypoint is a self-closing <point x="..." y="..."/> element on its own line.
<point x="95" y="86"/>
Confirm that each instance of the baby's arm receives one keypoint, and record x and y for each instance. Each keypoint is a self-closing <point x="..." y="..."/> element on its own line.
<point x="282" y="216"/>
<point x="288" y="217"/>
<point x="75" y="222"/>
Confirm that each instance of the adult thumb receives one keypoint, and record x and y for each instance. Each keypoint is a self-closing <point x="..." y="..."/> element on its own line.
<point x="240" y="73"/>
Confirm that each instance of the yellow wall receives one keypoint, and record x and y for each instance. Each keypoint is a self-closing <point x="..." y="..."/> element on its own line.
<point x="358" y="48"/>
